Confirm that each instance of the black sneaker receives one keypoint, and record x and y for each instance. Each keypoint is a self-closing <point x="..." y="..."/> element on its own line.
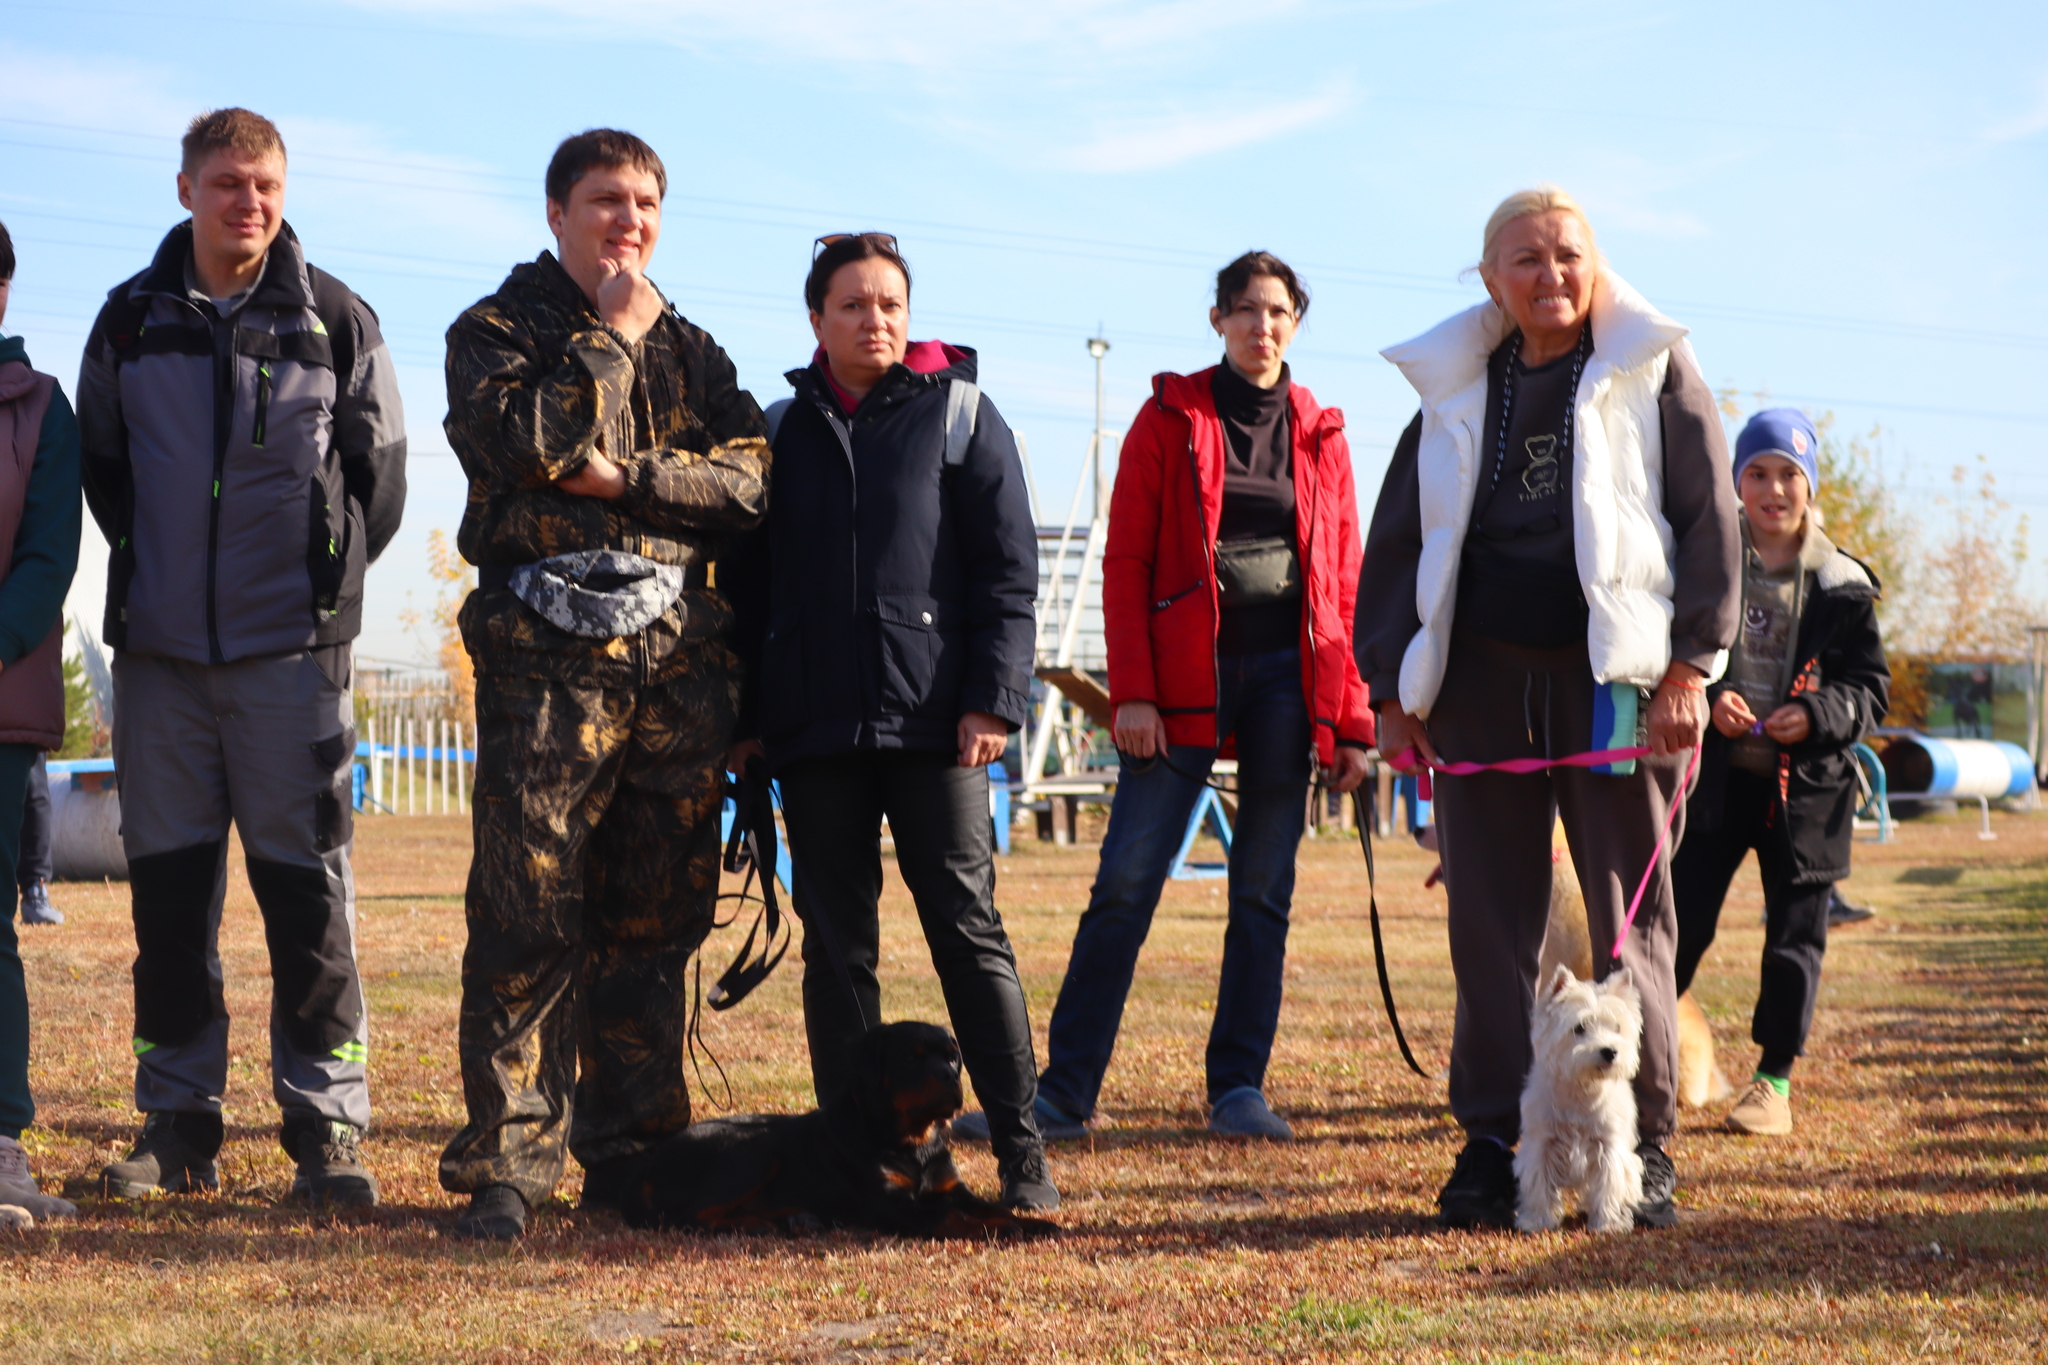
<point x="1660" y="1183"/>
<point x="173" y="1155"/>
<point x="1842" y="910"/>
<point x="1481" y="1190"/>
<point x="331" y="1170"/>
<point x="1027" y="1183"/>
<point x="496" y="1213"/>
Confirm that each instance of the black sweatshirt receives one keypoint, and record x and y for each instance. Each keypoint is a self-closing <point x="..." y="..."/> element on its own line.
<point x="1258" y="500"/>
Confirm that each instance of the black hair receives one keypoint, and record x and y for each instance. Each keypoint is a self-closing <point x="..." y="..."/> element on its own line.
<point x="1233" y="279"/>
<point x="6" y="254"/>
<point x="854" y="246"/>
<point x="595" y="148"/>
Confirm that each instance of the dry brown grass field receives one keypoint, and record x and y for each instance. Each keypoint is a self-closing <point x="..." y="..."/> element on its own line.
<point x="1907" y="1218"/>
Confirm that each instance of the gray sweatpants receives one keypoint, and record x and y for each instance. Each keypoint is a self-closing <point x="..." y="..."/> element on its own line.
<point x="1499" y="702"/>
<point x="267" y="744"/>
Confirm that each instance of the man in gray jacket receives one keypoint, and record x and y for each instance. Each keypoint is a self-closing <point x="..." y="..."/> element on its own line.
<point x="244" y="453"/>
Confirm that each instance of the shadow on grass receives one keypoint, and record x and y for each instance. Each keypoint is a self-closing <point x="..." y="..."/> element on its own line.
<point x="2003" y="1249"/>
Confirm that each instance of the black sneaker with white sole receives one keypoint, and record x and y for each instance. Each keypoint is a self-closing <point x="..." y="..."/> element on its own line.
<point x="1660" y="1187"/>
<point x="173" y="1155"/>
<point x="1481" y="1190"/>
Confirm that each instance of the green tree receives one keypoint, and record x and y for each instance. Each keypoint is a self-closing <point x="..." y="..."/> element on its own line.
<point x="84" y="736"/>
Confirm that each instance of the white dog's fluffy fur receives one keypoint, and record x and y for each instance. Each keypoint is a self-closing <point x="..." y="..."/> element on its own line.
<point x="1578" y="1107"/>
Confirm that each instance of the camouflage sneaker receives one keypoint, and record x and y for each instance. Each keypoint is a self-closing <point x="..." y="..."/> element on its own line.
<point x="174" y="1155"/>
<point x="1762" y="1111"/>
<point x="331" y="1170"/>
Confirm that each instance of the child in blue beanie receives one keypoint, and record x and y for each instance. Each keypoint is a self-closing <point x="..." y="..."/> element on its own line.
<point x="1805" y="682"/>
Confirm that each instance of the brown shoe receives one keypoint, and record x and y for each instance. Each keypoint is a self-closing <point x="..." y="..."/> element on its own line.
<point x="1762" y="1111"/>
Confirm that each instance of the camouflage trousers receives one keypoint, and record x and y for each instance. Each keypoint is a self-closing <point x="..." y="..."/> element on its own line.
<point x="594" y="878"/>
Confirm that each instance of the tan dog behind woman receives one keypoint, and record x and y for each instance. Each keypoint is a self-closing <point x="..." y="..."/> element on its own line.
<point x="1566" y="943"/>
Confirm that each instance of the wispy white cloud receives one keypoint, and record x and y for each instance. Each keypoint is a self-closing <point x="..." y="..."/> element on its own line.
<point x="1155" y="141"/>
<point x="2030" y="122"/>
<point x="935" y="38"/>
<point x="115" y="92"/>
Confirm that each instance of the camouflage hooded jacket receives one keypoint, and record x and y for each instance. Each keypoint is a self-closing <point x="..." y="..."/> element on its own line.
<point x="536" y="383"/>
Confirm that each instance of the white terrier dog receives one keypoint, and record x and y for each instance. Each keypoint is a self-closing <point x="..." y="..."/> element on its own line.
<point x="1578" y="1108"/>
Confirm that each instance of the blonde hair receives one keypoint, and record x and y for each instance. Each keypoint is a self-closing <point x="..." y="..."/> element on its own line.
<point x="1545" y="198"/>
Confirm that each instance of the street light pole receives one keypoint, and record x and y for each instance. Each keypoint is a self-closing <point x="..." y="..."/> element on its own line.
<point x="1099" y="347"/>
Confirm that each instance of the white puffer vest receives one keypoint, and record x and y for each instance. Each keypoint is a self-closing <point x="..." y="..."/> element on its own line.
<point x="1624" y="544"/>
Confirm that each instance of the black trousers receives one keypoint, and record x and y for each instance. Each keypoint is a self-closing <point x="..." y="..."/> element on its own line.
<point x="1795" y="916"/>
<point x="36" y="864"/>
<point x="945" y="848"/>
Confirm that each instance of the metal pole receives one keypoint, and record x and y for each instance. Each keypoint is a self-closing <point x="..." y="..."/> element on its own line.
<point x="1099" y="347"/>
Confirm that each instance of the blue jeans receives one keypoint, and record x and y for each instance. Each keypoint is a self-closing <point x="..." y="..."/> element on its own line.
<point x="1260" y="700"/>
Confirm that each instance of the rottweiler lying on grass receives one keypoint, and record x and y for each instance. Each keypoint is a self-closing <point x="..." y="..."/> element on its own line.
<point x="875" y="1157"/>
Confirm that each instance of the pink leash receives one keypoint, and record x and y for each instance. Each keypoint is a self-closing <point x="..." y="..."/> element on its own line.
<point x="1408" y="759"/>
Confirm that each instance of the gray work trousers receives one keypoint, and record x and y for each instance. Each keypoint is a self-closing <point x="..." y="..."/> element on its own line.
<point x="1499" y="702"/>
<point x="267" y="744"/>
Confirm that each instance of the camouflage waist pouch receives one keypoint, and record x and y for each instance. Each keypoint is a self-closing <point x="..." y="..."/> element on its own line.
<point x="601" y="594"/>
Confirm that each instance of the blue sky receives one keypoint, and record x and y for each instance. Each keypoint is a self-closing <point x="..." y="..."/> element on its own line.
<point x="1845" y="202"/>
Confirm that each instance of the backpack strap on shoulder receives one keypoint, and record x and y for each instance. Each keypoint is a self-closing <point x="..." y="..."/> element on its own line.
<point x="774" y="415"/>
<point x="963" y="406"/>
<point x="334" y="314"/>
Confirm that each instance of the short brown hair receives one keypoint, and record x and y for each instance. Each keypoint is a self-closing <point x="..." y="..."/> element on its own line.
<point x="1233" y="279"/>
<point x="229" y="130"/>
<point x="595" y="148"/>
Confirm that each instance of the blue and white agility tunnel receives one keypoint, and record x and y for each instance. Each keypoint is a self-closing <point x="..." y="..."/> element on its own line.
<point x="1918" y="766"/>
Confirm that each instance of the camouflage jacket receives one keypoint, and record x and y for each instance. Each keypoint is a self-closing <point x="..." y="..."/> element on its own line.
<point x="536" y="383"/>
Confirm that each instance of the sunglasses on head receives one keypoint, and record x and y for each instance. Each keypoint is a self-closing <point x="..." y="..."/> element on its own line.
<point x="881" y="239"/>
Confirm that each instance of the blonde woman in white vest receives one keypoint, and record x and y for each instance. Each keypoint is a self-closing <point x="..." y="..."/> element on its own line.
<point x="1553" y="557"/>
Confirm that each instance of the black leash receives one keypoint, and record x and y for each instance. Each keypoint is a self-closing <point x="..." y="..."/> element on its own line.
<point x="1362" y="807"/>
<point x="751" y="850"/>
<point x="1363" y="802"/>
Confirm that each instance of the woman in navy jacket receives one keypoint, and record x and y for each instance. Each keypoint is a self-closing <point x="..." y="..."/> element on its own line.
<point x="891" y="660"/>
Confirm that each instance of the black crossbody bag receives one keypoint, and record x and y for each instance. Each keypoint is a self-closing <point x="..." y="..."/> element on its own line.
<point x="1258" y="572"/>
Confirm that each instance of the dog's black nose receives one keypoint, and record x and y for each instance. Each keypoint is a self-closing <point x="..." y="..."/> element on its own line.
<point x="1607" y="1055"/>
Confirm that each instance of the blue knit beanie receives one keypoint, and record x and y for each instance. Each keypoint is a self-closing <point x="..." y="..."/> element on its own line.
<point x="1780" y="431"/>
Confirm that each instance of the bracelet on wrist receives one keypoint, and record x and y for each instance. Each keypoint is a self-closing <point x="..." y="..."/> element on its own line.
<point x="1685" y="684"/>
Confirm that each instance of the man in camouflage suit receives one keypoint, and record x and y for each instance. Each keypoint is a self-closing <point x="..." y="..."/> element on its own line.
<point x="611" y="455"/>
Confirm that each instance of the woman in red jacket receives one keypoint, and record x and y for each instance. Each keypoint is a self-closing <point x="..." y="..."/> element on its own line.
<point x="1227" y="593"/>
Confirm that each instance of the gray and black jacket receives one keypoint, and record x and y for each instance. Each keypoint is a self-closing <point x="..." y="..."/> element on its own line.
<point x="245" y="470"/>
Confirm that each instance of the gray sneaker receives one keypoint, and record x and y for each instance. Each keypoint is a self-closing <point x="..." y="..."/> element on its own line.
<point x="1054" y="1124"/>
<point x="36" y="907"/>
<point x="1242" y="1113"/>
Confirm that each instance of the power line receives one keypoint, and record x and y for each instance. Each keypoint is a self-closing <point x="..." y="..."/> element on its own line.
<point x="1087" y="248"/>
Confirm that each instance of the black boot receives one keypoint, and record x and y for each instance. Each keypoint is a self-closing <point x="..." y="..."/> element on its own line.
<point x="1481" y="1190"/>
<point x="174" y="1155"/>
<point x="496" y="1213"/>
<point x="331" y="1170"/>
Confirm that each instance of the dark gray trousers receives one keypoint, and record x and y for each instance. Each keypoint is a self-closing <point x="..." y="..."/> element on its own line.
<point x="1499" y="702"/>
<point x="265" y="745"/>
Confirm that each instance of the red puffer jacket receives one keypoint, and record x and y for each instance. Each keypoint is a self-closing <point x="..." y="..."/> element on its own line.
<point x="1158" y="581"/>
